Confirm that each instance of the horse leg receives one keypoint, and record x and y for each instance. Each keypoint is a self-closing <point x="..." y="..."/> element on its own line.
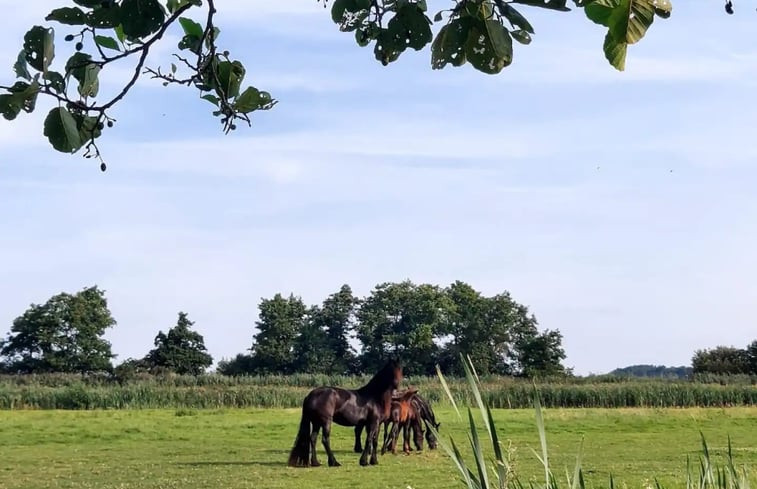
<point x="395" y="436"/>
<point x="406" y="438"/>
<point x="418" y="435"/>
<point x="313" y="441"/>
<point x="372" y="434"/>
<point x="386" y="437"/>
<point x="374" y="454"/>
<point x="326" y="440"/>
<point x="358" y="442"/>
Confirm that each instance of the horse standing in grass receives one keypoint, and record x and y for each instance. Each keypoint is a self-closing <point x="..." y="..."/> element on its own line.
<point x="366" y="406"/>
<point x="425" y="414"/>
<point x="403" y="415"/>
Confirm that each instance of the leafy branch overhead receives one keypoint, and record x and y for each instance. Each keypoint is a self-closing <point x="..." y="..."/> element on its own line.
<point x="102" y="32"/>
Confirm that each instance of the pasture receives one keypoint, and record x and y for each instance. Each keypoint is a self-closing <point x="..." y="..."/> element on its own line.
<point x="246" y="448"/>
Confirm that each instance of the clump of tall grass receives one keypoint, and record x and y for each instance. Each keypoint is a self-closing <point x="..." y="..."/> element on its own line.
<point x="498" y="472"/>
<point x="67" y="391"/>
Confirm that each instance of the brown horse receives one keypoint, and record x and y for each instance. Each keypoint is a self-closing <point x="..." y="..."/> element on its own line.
<point x="404" y="415"/>
<point x="364" y="407"/>
<point x="425" y="416"/>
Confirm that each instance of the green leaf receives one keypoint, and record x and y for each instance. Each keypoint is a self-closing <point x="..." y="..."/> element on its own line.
<point x="87" y="126"/>
<point x="10" y="106"/>
<point x="107" y="42"/>
<point x="615" y="51"/>
<point x="174" y="5"/>
<point x="500" y="39"/>
<point x="190" y="42"/>
<point x="191" y="28"/>
<point x="515" y="17"/>
<point x="248" y="100"/>
<point x="90" y="85"/>
<point x="20" y="66"/>
<point x="105" y="17"/>
<point x="80" y="66"/>
<point x="140" y="18"/>
<point x="76" y="65"/>
<point x="39" y="47"/>
<point x="119" y="30"/>
<point x="61" y="130"/>
<point x="22" y="96"/>
<point x="521" y="36"/>
<point x="366" y="33"/>
<point x="449" y="45"/>
<point x="56" y="81"/>
<point x="253" y="99"/>
<point x="88" y="3"/>
<point x="230" y="74"/>
<point x="349" y="14"/>
<point x="627" y="22"/>
<point x="560" y="5"/>
<point x="439" y="16"/>
<point x="68" y="16"/>
<point x="480" y="51"/>
<point x="211" y="98"/>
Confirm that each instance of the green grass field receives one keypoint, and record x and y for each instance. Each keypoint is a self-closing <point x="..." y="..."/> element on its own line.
<point x="245" y="448"/>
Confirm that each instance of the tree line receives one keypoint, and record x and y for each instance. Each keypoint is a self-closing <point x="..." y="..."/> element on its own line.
<point x="425" y="325"/>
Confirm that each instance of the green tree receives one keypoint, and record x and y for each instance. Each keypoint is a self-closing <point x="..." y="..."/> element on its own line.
<point x="540" y="354"/>
<point x="311" y="347"/>
<point x="721" y="360"/>
<point x="180" y="350"/>
<point x="62" y="335"/>
<point x="242" y="364"/>
<point x="336" y="317"/>
<point x="281" y="320"/>
<point x="402" y="319"/>
<point x="103" y="32"/>
<point x="751" y="356"/>
<point x="480" y="327"/>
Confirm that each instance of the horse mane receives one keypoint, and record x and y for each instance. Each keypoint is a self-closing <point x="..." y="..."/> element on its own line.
<point x="381" y="382"/>
<point x="426" y="412"/>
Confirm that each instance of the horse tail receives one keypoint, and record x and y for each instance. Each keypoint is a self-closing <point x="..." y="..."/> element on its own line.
<point x="298" y="457"/>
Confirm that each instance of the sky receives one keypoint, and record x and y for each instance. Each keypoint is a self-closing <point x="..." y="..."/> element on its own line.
<point x="619" y="207"/>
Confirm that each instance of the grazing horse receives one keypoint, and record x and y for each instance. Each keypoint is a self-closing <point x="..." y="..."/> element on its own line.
<point x="366" y="406"/>
<point x="403" y="414"/>
<point x="425" y="414"/>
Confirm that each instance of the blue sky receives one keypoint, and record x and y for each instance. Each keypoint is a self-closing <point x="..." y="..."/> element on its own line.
<point x="620" y="207"/>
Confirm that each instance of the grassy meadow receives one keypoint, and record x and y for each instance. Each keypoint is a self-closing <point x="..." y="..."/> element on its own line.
<point x="246" y="448"/>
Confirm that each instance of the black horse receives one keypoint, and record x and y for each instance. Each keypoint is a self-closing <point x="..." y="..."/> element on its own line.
<point x="425" y="413"/>
<point x="366" y="406"/>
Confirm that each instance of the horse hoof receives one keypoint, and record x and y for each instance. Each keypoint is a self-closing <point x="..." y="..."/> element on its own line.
<point x="374" y="461"/>
<point x="315" y="463"/>
<point x="334" y="463"/>
<point x="363" y="462"/>
<point x="358" y="450"/>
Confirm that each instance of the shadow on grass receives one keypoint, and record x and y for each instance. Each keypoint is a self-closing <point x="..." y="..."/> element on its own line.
<point x="222" y="463"/>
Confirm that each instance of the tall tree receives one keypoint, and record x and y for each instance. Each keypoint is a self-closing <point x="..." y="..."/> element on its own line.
<point x="478" y="32"/>
<point x="479" y="327"/>
<point x="751" y="356"/>
<point x="336" y="317"/>
<point x="281" y="319"/>
<point x="62" y="335"/>
<point x="540" y="354"/>
<point x="311" y="347"/>
<point x="402" y="319"/>
<point x="180" y="350"/>
<point x="721" y="360"/>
